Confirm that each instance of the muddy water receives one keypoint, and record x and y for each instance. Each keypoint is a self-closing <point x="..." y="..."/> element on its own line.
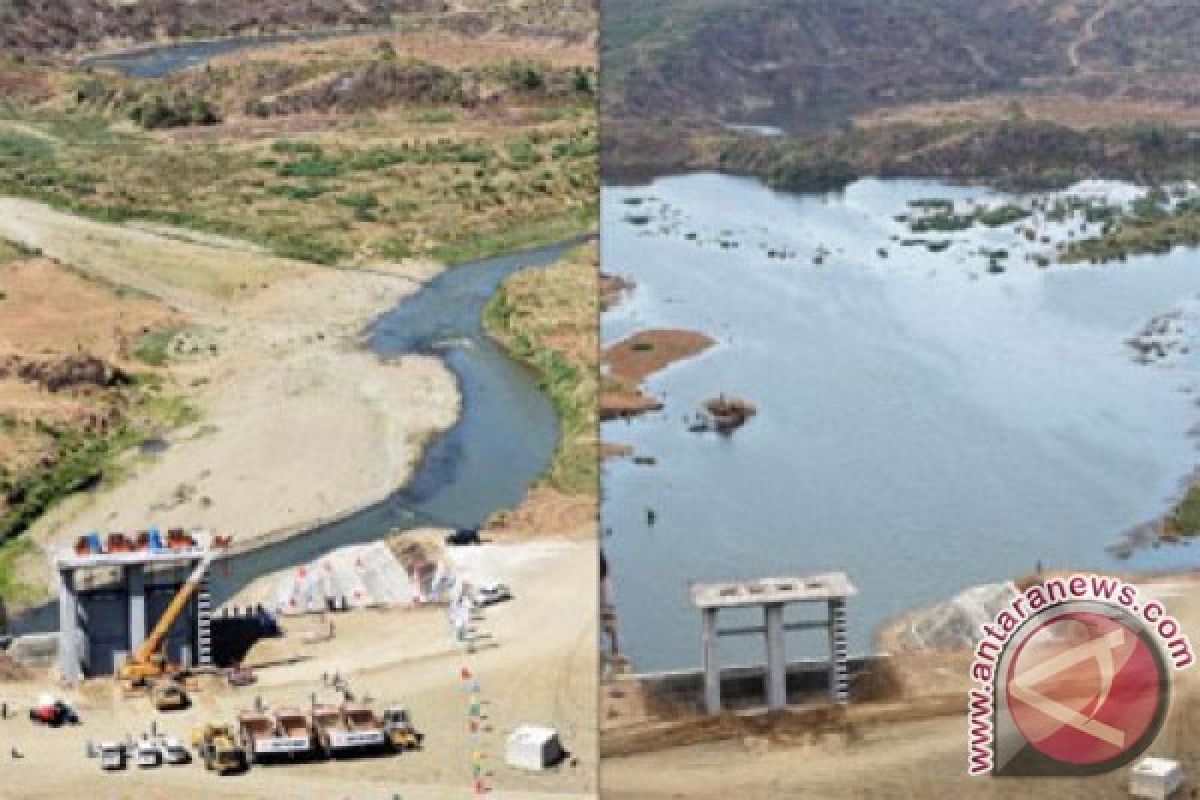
<point x="924" y="425"/>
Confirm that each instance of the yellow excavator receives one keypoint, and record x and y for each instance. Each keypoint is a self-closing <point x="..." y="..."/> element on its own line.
<point x="148" y="664"/>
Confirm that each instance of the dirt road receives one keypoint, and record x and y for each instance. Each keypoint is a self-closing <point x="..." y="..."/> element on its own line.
<point x="1088" y="34"/>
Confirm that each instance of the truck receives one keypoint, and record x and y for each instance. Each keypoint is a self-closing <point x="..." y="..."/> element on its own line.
<point x="168" y="695"/>
<point x="348" y="728"/>
<point x="284" y="733"/>
<point x="146" y="754"/>
<point x="173" y="751"/>
<point x="218" y="749"/>
<point x="398" y="727"/>
<point x="112" y="756"/>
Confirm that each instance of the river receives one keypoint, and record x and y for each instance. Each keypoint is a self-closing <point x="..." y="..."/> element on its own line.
<point x="924" y="425"/>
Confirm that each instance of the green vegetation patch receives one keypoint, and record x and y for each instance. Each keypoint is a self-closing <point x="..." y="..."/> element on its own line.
<point x="81" y="465"/>
<point x="154" y="347"/>
<point x="473" y="245"/>
<point x="1139" y="234"/>
<point x="1186" y="518"/>
<point x="1004" y="215"/>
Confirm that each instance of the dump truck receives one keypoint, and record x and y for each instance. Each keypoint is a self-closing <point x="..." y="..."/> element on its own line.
<point x="218" y="749"/>
<point x="168" y="695"/>
<point x="398" y="727"/>
<point x="286" y="732"/>
<point x="348" y="728"/>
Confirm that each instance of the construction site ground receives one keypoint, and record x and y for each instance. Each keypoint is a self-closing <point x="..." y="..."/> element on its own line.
<point x="535" y="662"/>
<point x="911" y="745"/>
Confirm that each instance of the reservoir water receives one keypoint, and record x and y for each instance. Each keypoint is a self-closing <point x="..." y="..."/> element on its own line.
<point x="924" y="424"/>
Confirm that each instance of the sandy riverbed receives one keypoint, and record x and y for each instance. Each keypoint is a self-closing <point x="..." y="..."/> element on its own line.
<point x="299" y="424"/>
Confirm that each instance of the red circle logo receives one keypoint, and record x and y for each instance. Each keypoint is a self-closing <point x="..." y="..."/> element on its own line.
<point x="1085" y="689"/>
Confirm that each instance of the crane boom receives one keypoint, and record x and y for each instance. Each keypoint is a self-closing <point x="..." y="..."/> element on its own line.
<point x="142" y="664"/>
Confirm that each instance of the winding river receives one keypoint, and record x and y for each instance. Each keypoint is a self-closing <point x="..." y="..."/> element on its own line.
<point x="928" y="421"/>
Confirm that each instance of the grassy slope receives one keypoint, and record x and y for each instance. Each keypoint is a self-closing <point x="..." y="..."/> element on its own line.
<point x="547" y="318"/>
<point x="381" y="184"/>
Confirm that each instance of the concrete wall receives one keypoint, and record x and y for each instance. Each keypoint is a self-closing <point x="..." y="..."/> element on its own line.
<point x="745" y="687"/>
<point x="104" y="622"/>
<point x="35" y="650"/>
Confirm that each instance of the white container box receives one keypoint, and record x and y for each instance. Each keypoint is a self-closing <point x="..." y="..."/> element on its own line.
<point x="533" y="748"/>
<point x="1155" y="779"/>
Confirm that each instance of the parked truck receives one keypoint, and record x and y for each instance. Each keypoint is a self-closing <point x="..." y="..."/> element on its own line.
<point x="112" y="756"/>
<point x="347" y="729"/>
<point x="286" y="733"/>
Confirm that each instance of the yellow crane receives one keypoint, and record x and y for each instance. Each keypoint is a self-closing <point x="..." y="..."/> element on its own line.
<point x="149" y="661"/>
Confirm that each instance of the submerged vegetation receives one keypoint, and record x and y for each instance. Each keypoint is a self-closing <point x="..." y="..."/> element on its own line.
<point x="1140" y="233"/>
<point x="1185" y="520"/>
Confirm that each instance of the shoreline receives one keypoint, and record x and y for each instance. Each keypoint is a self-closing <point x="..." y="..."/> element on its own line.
<point x="629" y="362"/>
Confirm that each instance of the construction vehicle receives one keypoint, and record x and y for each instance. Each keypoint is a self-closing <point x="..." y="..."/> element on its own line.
<point x="147" y="754"/>
<point x="264" y="736"/>
<point x="149" y="661"/>
<point x="346" y="729"/>
<point x="218" y="749"/>
<point x="173" y="751"/>
<point x="52" y="712"/>
<point x="491" y="593"/>
<point x="398" y="727"/>
<point x="169" y="695"/>
<point x="112" y="756"/>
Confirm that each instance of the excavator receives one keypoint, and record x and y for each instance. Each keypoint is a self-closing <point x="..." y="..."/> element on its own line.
<point x="148" y="666"/>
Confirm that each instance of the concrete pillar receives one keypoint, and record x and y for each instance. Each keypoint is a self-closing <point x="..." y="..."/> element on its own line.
<point x="69" y="663"/>
<point x="712" y="663"/>
<point x="776" y="657"/>
<point x="135" y="584"/>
